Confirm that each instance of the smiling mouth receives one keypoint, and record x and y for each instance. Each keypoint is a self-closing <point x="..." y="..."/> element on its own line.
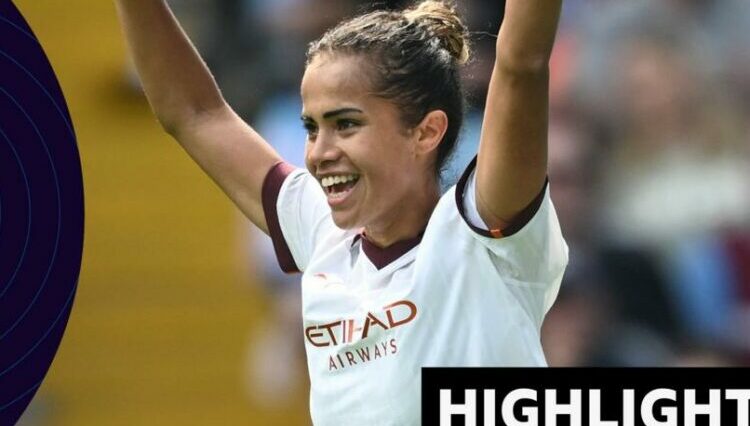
<point x="337" y="187"/>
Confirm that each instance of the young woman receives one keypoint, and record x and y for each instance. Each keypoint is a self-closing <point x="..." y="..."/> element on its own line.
<point x="396" y="276"/>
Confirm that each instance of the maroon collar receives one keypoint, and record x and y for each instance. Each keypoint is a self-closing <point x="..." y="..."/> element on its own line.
<point x="383" y="256"/>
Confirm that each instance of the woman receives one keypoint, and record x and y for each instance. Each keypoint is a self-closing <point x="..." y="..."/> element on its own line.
<point x="396" y="276"/>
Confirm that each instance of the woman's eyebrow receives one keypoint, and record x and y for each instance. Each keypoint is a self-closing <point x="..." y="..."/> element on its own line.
<point x="336" y="112"/>
<point x="331" y="114"/>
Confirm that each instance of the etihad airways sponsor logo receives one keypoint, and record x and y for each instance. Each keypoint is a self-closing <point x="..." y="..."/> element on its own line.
<point x="362" y="355"/>
<point x="349" y="330"/>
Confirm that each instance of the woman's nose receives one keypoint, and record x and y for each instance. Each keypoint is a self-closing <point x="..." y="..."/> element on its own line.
<point x="323" y="148"/>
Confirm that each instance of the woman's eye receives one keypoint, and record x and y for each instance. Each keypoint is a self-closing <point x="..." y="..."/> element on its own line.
<point x="311" y="129"/>
<point x="346" y="124"/>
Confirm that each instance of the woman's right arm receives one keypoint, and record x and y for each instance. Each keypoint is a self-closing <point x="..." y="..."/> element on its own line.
<point x="188" y="104"/>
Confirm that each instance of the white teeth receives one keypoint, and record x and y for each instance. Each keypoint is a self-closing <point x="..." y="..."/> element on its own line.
<point x="333" y="180"/>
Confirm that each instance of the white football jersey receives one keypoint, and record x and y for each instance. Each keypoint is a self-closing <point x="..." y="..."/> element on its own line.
<point x="457" y="296"/>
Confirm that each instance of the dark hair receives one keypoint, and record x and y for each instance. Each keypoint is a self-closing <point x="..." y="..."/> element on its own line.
<point x="415" y="54"/>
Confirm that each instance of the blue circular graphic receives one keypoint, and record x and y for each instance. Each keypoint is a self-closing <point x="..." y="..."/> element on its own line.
<point x="41" y="214"/>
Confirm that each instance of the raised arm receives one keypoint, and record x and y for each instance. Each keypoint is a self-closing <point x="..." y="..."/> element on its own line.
<point x="512" y="160"/>
<point x="189" y="105"/>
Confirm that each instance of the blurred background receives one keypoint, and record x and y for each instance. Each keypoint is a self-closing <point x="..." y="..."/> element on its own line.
<point x="182" y="316"/>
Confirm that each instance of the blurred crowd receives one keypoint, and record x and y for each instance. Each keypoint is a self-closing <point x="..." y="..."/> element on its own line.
<point x="648" y="165"/>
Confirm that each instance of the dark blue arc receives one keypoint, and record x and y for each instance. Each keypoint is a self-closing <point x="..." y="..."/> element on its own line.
<point x="59" y="224"/>
<point x="24" y="32"/>
<point x="43" y="170"/>
<point x="28" y="225"/>
<point x="22" y="395"/>
<point x="44" y="89"/>
<point x="44" y="335"/>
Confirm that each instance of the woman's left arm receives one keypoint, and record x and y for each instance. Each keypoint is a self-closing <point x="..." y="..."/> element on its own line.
<point x="512" y="160"/>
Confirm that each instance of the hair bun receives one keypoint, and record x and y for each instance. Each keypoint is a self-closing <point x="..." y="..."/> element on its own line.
<point x="442" y="20"/>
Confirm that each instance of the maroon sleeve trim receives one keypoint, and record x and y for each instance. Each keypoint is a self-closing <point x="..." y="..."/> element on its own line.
<point x="269" y="196"/>
<point x="516" y="225"/>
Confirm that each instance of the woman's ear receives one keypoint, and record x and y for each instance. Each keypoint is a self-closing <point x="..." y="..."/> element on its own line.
<point x="430" y="131"/>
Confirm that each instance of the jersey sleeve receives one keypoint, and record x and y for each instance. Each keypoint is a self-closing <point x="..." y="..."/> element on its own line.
<point x="297" y="215"/>
<point x="530" y="254"/>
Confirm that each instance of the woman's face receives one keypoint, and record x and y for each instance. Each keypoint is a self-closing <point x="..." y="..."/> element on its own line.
<point x="357" y="146"/>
